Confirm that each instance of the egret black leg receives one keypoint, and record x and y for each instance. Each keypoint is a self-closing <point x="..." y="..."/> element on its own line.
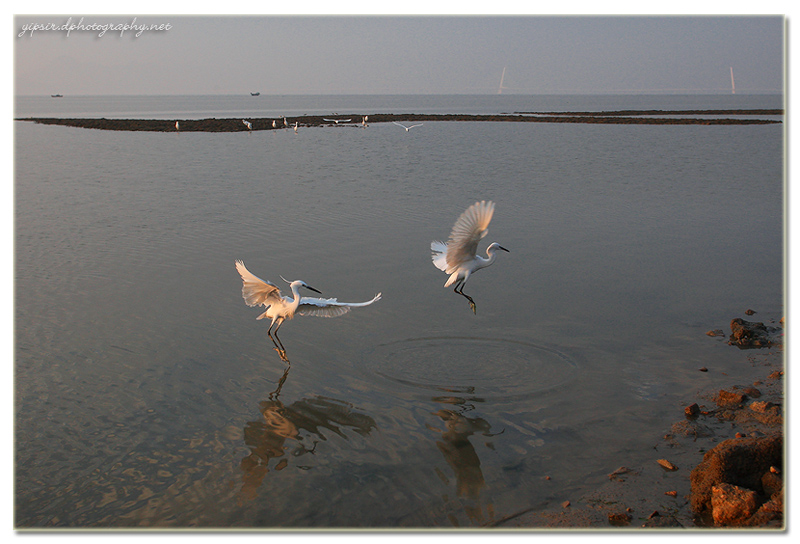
<point x="277" y="341"/>
<point x="463" y="294"/>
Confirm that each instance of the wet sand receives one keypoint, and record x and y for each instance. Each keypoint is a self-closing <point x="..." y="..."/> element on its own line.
<point x="637" y="117"/>
<point x="635" y="495"/>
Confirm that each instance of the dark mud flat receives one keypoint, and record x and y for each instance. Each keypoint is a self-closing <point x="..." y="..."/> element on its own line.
<point x="258" y="124"/>
<point x="658" y="112"/>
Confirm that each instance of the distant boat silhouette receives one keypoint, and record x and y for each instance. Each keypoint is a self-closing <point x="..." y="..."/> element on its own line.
<point x="255" y="94"/>
<point x="56" y="96"/>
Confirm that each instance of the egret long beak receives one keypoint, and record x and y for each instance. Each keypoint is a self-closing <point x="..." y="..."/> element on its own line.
<point x="315" y="290"/>
<point x="504" y="249"/>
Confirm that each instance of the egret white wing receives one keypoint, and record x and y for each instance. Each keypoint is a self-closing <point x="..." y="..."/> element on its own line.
<point x="439" y="255"/>
<point x="329" y="307"/>
<point x="256" y="291"/>
<point x="470" y="227"/>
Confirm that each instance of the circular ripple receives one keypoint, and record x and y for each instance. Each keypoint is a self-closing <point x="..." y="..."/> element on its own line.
<point x="487" y="367"/>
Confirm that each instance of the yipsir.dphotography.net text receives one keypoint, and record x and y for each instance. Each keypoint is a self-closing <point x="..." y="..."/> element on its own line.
<point x="101" y="28"/>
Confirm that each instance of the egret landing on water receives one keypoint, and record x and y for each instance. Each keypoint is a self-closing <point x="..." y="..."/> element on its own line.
<point x="256" y="291"/>
<point x="405" y="127"/>
<point x="458" y="256"/>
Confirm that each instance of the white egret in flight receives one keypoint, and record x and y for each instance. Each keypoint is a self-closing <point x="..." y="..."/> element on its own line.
<point x="256" y="291"/>
<point x="458" y="256"/>
<point x="337" y="121"/>
<point x="405" y="127"/>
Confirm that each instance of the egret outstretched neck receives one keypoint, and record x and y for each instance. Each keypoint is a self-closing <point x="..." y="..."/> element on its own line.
<point x="295" y="287"/>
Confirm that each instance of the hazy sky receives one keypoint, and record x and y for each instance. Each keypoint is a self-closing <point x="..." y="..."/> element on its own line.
<point x="402" y="54"/>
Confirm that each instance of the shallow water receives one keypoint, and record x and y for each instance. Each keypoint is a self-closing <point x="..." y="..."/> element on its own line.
<point x="148" y="394"/>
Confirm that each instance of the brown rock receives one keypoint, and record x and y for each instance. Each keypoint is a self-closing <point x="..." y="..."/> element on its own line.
<point x="770" y="513"/>
<point x="761" y="406"/>
<point x="732" y="505"/>
<point x="666" y="464"/>
<point x="619" y="519"/>
<point x="748" y="334"/>
<point x="729" y="398"/>
<point x="748" y="391"/>
<point x="740" y="462"/>
<point x="619" y="472"/>
<point x="691" y="411"/>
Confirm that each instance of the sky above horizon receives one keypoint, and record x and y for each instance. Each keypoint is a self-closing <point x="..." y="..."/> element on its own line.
<point x="342" y="54"/>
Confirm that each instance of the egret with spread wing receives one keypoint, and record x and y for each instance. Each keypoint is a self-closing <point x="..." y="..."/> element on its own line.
<point x="458" y="256"/>
<point x="279" y="308"/>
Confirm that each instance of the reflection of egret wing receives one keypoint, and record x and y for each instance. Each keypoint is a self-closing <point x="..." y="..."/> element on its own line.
<point x="256" y="291"/>
<point x="467" y="232"/>
<point x="439" y="255"/>
<point x="329" y="307"/>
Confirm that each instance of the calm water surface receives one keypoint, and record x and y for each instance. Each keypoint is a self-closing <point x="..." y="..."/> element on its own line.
<point x="148" y="395"/>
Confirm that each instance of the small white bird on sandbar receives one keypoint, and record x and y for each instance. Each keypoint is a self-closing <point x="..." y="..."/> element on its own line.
<point x="248" y="124"/>
<point x="256" y="291"/>
<point x="458" y="256"/>
<point x="177" y="125"/>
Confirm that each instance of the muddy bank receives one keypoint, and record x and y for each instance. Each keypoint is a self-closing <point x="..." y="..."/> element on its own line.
<point x="266" y="123"/>
<point x="683" y="484"/>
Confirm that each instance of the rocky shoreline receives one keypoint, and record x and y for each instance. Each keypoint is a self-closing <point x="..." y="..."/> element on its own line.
<point x="721" y="465"/>
<point x="638" y="117"/>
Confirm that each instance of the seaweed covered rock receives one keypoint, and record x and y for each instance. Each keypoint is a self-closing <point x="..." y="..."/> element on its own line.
<point x="749" y="334"/>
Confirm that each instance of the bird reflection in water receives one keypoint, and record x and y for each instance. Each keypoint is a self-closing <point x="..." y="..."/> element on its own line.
<point x="463" y="459"/>
<point x="285" y="432"/>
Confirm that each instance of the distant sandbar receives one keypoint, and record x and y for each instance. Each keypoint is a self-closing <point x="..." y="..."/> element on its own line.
<point x="631" y="117"/>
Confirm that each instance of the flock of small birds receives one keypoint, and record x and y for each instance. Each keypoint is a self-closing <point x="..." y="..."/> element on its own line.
<point x="364" y="123"/>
